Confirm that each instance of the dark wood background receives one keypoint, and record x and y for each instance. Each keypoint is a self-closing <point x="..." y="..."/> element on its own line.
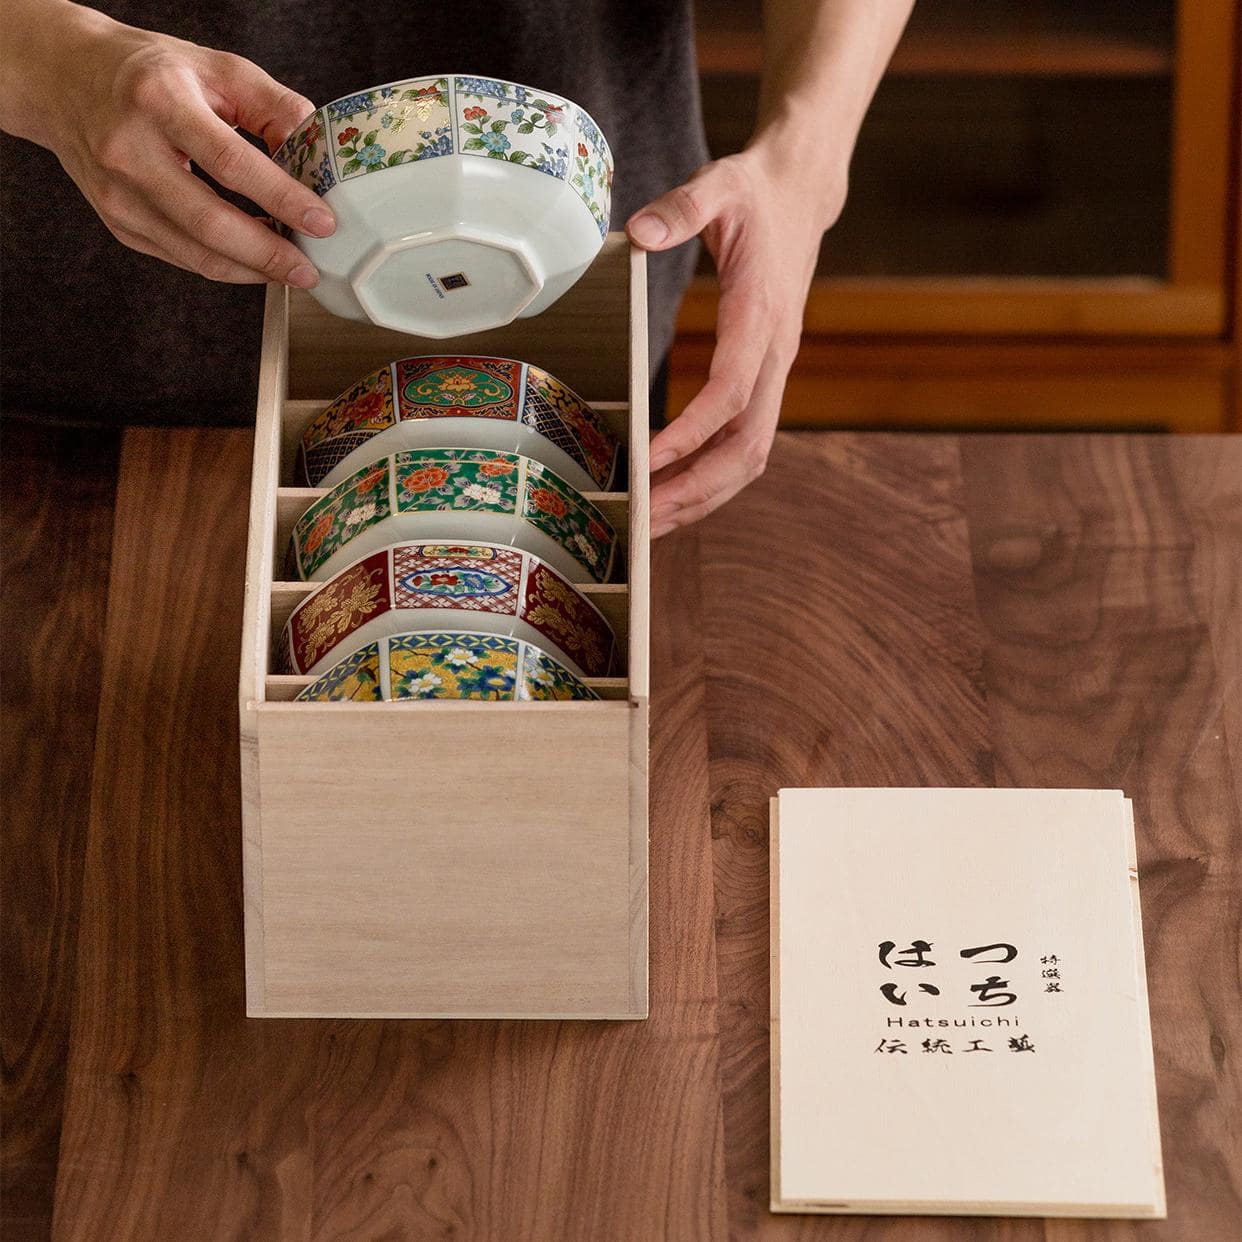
<point x="913" y="610"/>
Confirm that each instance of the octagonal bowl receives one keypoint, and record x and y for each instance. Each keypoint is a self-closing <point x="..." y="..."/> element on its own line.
<point x="447" y="664"/>
<point x="459" y="495"/>
<point x="412" y="586"/>
<point x="472" y="401"/>
<point x="461" y="202"/>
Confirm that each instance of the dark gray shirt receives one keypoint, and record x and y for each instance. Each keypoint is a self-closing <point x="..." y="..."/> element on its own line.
<point x="97" y="332"/>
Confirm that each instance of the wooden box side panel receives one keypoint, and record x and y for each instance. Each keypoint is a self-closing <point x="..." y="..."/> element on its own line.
<point x="449" y="860"/>
<point x="639" y="567"/>
<point x="256" y="614"/>
<point x="582" y="338"/>
<point x="264" y="481"/>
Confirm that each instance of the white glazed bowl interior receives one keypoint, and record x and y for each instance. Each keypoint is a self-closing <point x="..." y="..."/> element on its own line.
<point x="461" y="202"/>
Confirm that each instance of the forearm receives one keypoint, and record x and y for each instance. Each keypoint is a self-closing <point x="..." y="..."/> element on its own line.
<point x="40" y="36"/>
<point x="822" y="61"/>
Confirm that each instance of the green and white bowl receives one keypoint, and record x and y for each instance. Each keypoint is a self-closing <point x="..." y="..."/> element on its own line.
<point x="458" y="495"/>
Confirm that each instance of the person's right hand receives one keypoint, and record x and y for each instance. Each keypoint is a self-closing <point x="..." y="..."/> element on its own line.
<point x="126" y="110"/>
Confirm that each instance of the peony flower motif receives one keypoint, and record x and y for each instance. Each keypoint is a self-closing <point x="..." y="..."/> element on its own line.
<point x="484" y="495"/>
<point x="473" y="114"/>
<point x="370" y="479"/>
<point x="360" y="515"/>
<point x="456" y="381"/>
<point x="364" y="408"/>
<point x="443" y="579"/>
<point x="590" y="552"/>
<point x="460" y="657"/>
<point x="497" y="468"/>
<point x="548" y="502"/>
<point x="311" y="134"/>
<point x="319" y="532"/>
<point x="347" y="135"/>
<point x="582" y="151"/>
<point x="493" y="682"/>
<point x="371" y="155"/>
<point x="595" y="446"/>
<point x="425" y="479"/>
<point x="495" y="142"/>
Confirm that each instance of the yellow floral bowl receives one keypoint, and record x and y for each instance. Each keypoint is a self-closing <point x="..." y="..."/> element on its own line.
<point x="447" y="664"/>
<point x="472" y="401"/>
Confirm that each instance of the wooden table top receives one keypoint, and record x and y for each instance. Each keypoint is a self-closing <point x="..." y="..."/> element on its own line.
<point x="877" y="610"/>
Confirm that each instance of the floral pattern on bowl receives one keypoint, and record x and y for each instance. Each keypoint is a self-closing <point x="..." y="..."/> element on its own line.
<point x="389" y="126"/>
<point x="512" y="590"/>
<point x="557" y="412"/>
<point x="421" y="118"/>
<point x="461" y="386"/>
<point x="536" y="507"/>
<point x="591" y="175"/>
<point x="503" y="121"/>
<point x="451" y="665"/>
<point x="304" y="154"/>
<point x="356" y="678"/>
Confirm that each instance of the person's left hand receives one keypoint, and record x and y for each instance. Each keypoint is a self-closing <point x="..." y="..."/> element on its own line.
<point x="764" y="235"/>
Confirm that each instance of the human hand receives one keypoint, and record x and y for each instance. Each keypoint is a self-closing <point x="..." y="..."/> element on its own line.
<point x="126" y="110"/>
<point x="764" y="237"/>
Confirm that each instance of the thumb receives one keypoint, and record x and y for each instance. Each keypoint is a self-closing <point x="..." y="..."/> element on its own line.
<point x="682" y="213"/>
<point x="256" y="102"/>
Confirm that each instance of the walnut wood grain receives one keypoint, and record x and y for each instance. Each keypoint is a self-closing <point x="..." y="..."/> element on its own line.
<point x="843" y="649"/>
<point x="57" y="528"/>
<point x="877" y="610"/>
<point x="184" y="1119"/>
<point x="1019" y="611"/>
<point x="1092" y="572"/>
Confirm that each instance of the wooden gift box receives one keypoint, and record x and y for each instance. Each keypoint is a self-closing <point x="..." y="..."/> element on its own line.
<point x="447" y="858"/>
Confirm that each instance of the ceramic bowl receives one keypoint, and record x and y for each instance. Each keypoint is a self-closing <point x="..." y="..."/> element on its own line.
<point x="412" y="586"/>
<point x="457" y="494"/>
<point x="448" y="664"/>
<point x="461" y="202"/>
<point x="476" y="402"/>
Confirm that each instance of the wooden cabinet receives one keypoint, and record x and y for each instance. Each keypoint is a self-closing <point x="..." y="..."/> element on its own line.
<point x="1042" y="221"/>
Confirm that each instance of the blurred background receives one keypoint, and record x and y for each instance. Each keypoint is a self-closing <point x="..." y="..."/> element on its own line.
<point x="1042" y="227"/>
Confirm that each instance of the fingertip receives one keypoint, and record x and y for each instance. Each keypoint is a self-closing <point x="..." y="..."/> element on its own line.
<point x="648" y="230"/>
<point x="319" y="222"/>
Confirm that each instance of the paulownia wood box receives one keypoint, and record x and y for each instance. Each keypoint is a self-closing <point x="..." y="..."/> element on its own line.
<point x="444" y="858"/>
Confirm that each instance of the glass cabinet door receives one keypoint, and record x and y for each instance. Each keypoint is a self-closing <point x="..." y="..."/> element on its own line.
<point x="1027" y="166"/>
